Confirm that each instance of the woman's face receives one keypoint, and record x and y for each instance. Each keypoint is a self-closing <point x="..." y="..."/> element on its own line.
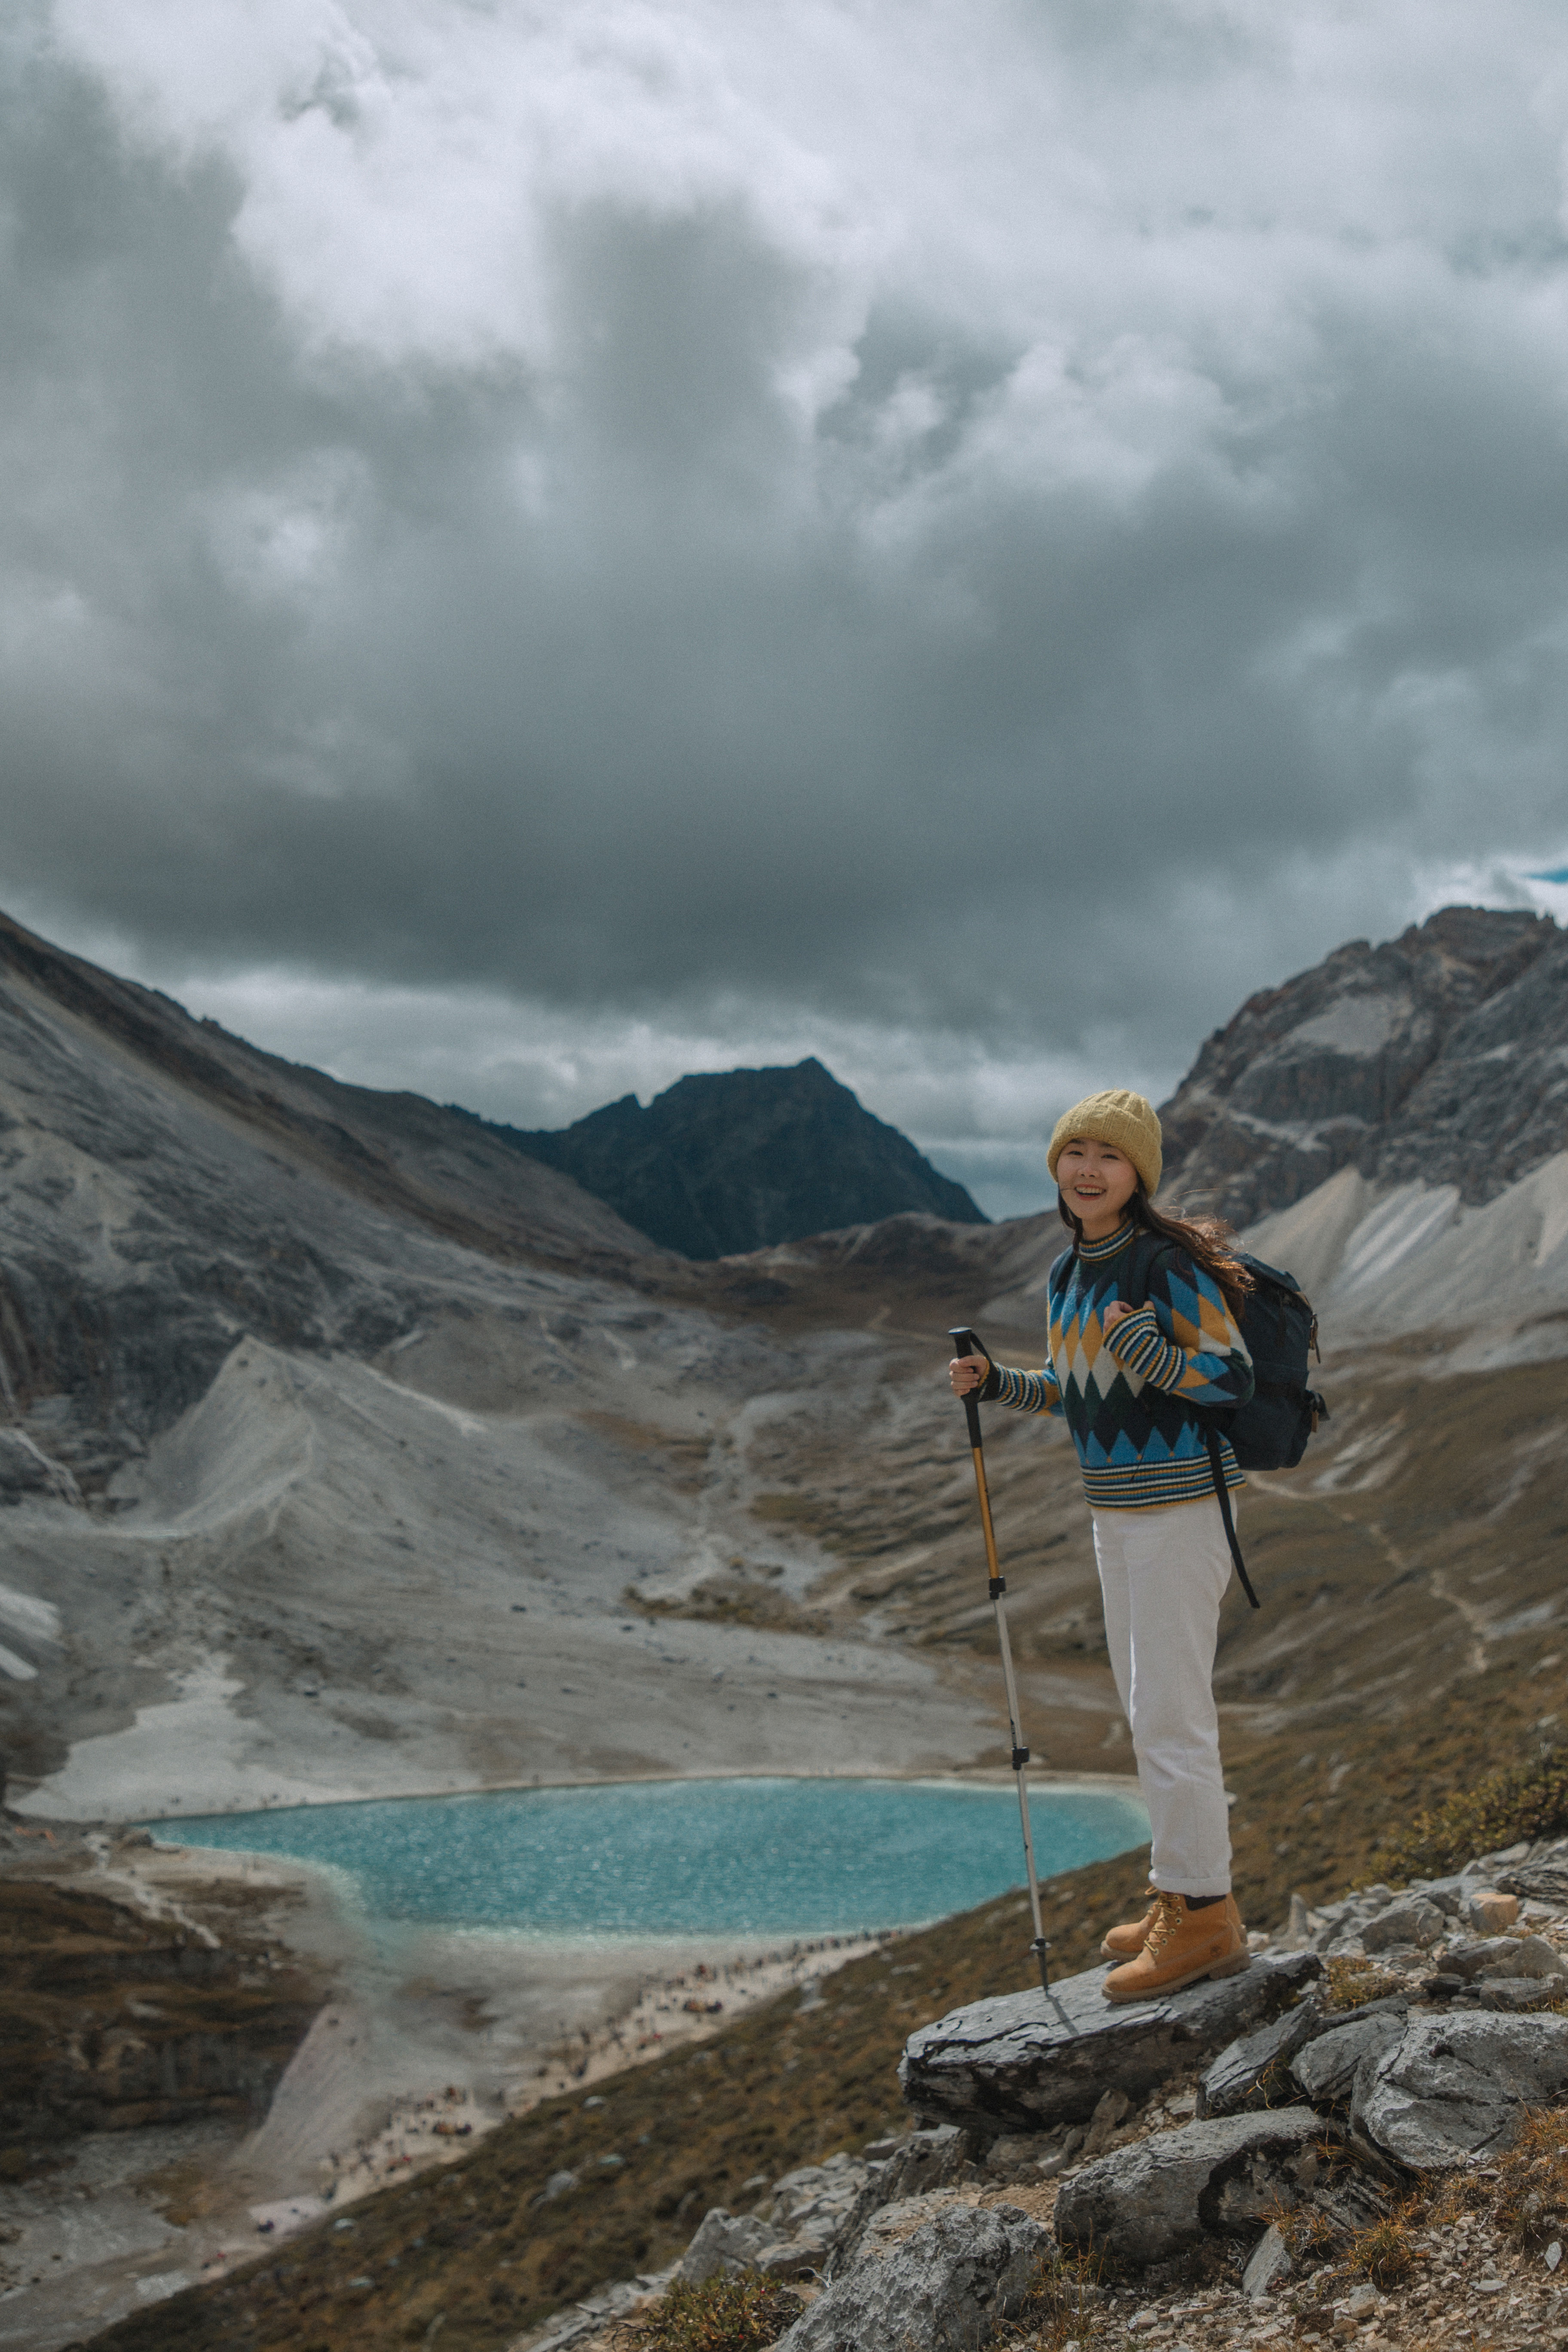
<point x="1097" y="1181"/>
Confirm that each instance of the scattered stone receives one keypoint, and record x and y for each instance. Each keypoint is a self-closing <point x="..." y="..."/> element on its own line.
<point x="925" y="2160"/>
<point x="1269" y="2266"/>
<point x="1543" y="1881"/>
<point x="1520" y="1992"/>
<point x="1297" y="1934"/>
<point x="1015" y="2149"/>
<point x="1454" y="2084"/>
<point x="1326" y="2069"/>
<point x="1112" y="2110"/>
<point x="1487" y="1911"/>
<point x="729" y="2242"/>
<point x="1029" y="2060"/>
<point x="1243" y="2075"/>
<point x="1494" y="1956"/>
<point x="1414" y="1922"/>
<point x="1145" y="2202"/>
<point x="946" y="2289"/>
<point x="1537" y="1958"/>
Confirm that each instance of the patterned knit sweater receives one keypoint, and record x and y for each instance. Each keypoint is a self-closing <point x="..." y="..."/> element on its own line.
<point x="1123" y="1393"/>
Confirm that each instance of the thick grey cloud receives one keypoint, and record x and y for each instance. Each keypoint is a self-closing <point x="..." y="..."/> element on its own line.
<point x="545" y="547"/>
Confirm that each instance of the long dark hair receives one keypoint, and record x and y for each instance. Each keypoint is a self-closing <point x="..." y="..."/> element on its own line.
<point x="1209" y="1241"/>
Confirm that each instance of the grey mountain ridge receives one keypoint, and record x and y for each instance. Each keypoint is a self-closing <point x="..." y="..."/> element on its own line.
<point x="1441" y="1057"/>
<point x="726" y="1162"/>
<point x="291" y="1369"/>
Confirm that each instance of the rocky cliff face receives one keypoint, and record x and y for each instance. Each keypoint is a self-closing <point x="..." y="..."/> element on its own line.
<point x="166" y="1189"/>
<point x="335" y="1431"/>
<point x="1440" y="1057"/>
<point x="741" y="1161"/>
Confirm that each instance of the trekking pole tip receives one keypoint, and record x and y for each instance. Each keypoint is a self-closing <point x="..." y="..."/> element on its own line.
<point x="1041" y="1950"/>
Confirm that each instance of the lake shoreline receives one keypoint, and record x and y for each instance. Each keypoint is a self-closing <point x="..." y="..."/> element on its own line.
<point x="604" y="1870"/>
<point x="990" y="1776"/>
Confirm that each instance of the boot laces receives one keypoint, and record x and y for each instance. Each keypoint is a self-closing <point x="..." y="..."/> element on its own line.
<point x="1167" y="1920"/>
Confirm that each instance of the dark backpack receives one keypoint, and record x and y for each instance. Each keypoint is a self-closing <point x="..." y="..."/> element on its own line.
<point x="1278" y="1328"/>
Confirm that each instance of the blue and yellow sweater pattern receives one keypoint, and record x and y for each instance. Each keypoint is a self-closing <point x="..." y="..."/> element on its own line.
<point x="1125" y="1393"/>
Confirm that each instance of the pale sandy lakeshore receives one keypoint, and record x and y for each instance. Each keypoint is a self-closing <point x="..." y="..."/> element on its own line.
<point x="482" y="2022"/>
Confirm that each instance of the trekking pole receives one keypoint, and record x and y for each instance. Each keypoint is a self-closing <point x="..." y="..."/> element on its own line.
<point x="967" y="1343"/>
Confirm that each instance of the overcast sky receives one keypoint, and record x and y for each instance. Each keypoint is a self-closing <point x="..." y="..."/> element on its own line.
<point x="545" y="546"/>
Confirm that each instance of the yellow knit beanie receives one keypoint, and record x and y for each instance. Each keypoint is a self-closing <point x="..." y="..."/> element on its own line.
<point x="1127" y="1120"/>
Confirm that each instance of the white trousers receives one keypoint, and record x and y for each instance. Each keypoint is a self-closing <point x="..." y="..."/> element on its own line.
<point x="1163" y="1575"/>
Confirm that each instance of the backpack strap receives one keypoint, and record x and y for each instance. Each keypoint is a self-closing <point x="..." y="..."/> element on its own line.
<point x="1211" y="1439"/>
<point x="1143" y="1264"/>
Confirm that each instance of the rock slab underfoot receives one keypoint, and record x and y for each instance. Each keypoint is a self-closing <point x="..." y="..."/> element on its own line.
<point x="1028" y="2061"/>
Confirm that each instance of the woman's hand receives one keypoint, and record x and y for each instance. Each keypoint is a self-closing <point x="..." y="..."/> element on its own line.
<point x="966" y="1372"/>
<point x="1114" y="1313"/>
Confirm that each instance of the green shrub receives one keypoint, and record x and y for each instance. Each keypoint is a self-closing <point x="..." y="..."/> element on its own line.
<point x="1528" y="1801"/>
<point x="723" y="2315"/>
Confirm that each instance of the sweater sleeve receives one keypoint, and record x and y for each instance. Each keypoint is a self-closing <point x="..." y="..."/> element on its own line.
<point x="1184" y="1340"/>
<point x="1028" y="1391"/>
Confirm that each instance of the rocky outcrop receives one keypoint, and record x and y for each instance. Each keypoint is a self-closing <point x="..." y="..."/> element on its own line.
<point x="1224" y="2176"/>
<point x="1329" y="2066"/>
<point x="1435" y="1056"/>
<point x="943" y="2289"/>
<point x="1031" y="2060"/>
<point x="746" y="1159"/>
<point x="1452" y="2087"/>
<point x="1251" y="2071"/>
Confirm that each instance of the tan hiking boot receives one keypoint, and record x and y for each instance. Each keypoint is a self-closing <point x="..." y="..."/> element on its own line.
<point x="1183" y="1946"/>
<point x="1125" y="1943"/>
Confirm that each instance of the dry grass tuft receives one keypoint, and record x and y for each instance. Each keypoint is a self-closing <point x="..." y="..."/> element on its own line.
<point x="1531" y="2202"/>
<point x="1353" y="1982"/>
<point x="1310" y="2235"/>
<point x="1061" y="2306"/>
<point x="1385" y="2251"/>
<point x="736" y="2314"/>
<point x="1528" y="1801"/>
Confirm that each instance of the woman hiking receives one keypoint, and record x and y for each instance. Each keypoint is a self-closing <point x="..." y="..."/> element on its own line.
<point x="1124" y="1379"/>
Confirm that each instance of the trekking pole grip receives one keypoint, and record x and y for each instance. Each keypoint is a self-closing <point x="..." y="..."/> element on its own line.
<point x="966" y="1342"/>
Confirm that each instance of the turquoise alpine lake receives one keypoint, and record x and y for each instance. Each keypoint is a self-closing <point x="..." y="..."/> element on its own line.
<point x="760" y="1857"/>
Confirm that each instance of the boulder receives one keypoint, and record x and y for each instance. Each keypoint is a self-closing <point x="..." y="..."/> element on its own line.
<point x="1519" y="1992"/>
<point x="1414" y="1921"/>
<point x="1543" y="1879"/>
<point x="1454" y="2084"/>
<point x="1227" y="2175"/>
<point x="1269" y="2266"/>
<point x="1493" y="1956"/>
<point x="925" y="2162"/>
<point x="1326" y="2069"/>
<point x="945" y="2289"/>
<point x="1537" y="1958"/>
<point x="1488" y="1910"/>
<point x="729" y="2242"/>
<point x="1027" y="2060"/>
<point x="1244" y="2075"/>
